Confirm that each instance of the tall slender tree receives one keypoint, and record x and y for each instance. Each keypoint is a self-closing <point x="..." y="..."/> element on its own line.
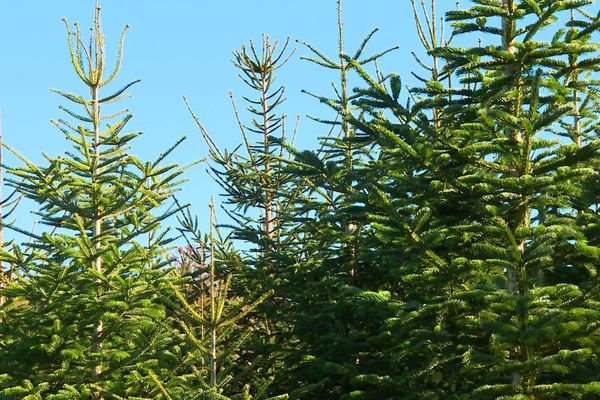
<point x="258" y="192"/>
<point x="333" y="343"/>
<point x="87" y="314"/>
<point x="212" y="363"/>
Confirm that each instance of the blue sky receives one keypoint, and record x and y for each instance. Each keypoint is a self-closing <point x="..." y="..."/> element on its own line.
<point x="177" y="48"/>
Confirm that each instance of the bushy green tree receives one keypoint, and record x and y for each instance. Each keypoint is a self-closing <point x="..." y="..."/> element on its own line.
<point x="470" y="213"/>
<point x="442" y="242"/>
<point x="215" y="359"/>
<point x="480" y="207"/>
<point x="87" y="312"/>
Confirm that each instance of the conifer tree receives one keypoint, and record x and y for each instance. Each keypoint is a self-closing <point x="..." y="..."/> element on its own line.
<point x="86" y="314"/>
<point x="442" y="243"/>
<point x="335" y="331"/>
<point x="259" y="195"/>
<point x="212" y="363"/>
<point x="251" y="177"/>
<point x="498" y="284"/>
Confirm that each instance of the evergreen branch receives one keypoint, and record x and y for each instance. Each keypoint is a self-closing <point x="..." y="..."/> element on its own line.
<point x="117" y="95"/>
<point x="119" y="62"/>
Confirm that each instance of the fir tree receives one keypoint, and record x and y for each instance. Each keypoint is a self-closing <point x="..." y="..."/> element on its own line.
<point x="86" y="314"/>
<point x="442" y="243"/>
<point x="259" y="197"/>
<point x="494" y="200"/>
<point x="212" y="360"/>
<point x="335" y="334"/>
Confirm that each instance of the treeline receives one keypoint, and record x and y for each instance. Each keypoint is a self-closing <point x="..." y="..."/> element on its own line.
<point x="443" y="242"/>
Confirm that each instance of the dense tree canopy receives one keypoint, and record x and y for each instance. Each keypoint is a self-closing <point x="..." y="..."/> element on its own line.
<point x="442" y="242"/>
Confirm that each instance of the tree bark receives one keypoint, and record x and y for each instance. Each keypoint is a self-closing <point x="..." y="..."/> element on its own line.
<point x="97" y="343"/>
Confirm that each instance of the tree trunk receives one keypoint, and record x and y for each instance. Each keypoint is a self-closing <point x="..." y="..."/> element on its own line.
<point x="99" y="326"/>
<point x="516" y="284"/>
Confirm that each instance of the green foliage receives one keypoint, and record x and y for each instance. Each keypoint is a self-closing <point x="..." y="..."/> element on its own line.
<point x="479" y="209"/>
<point x="209" y="317"/>
<point x="260" y="192"/>
<point x="86" y="312"/>
<point x="441" y="243"/>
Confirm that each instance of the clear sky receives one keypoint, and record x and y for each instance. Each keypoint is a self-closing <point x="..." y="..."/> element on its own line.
<point x="181" y="47"/>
